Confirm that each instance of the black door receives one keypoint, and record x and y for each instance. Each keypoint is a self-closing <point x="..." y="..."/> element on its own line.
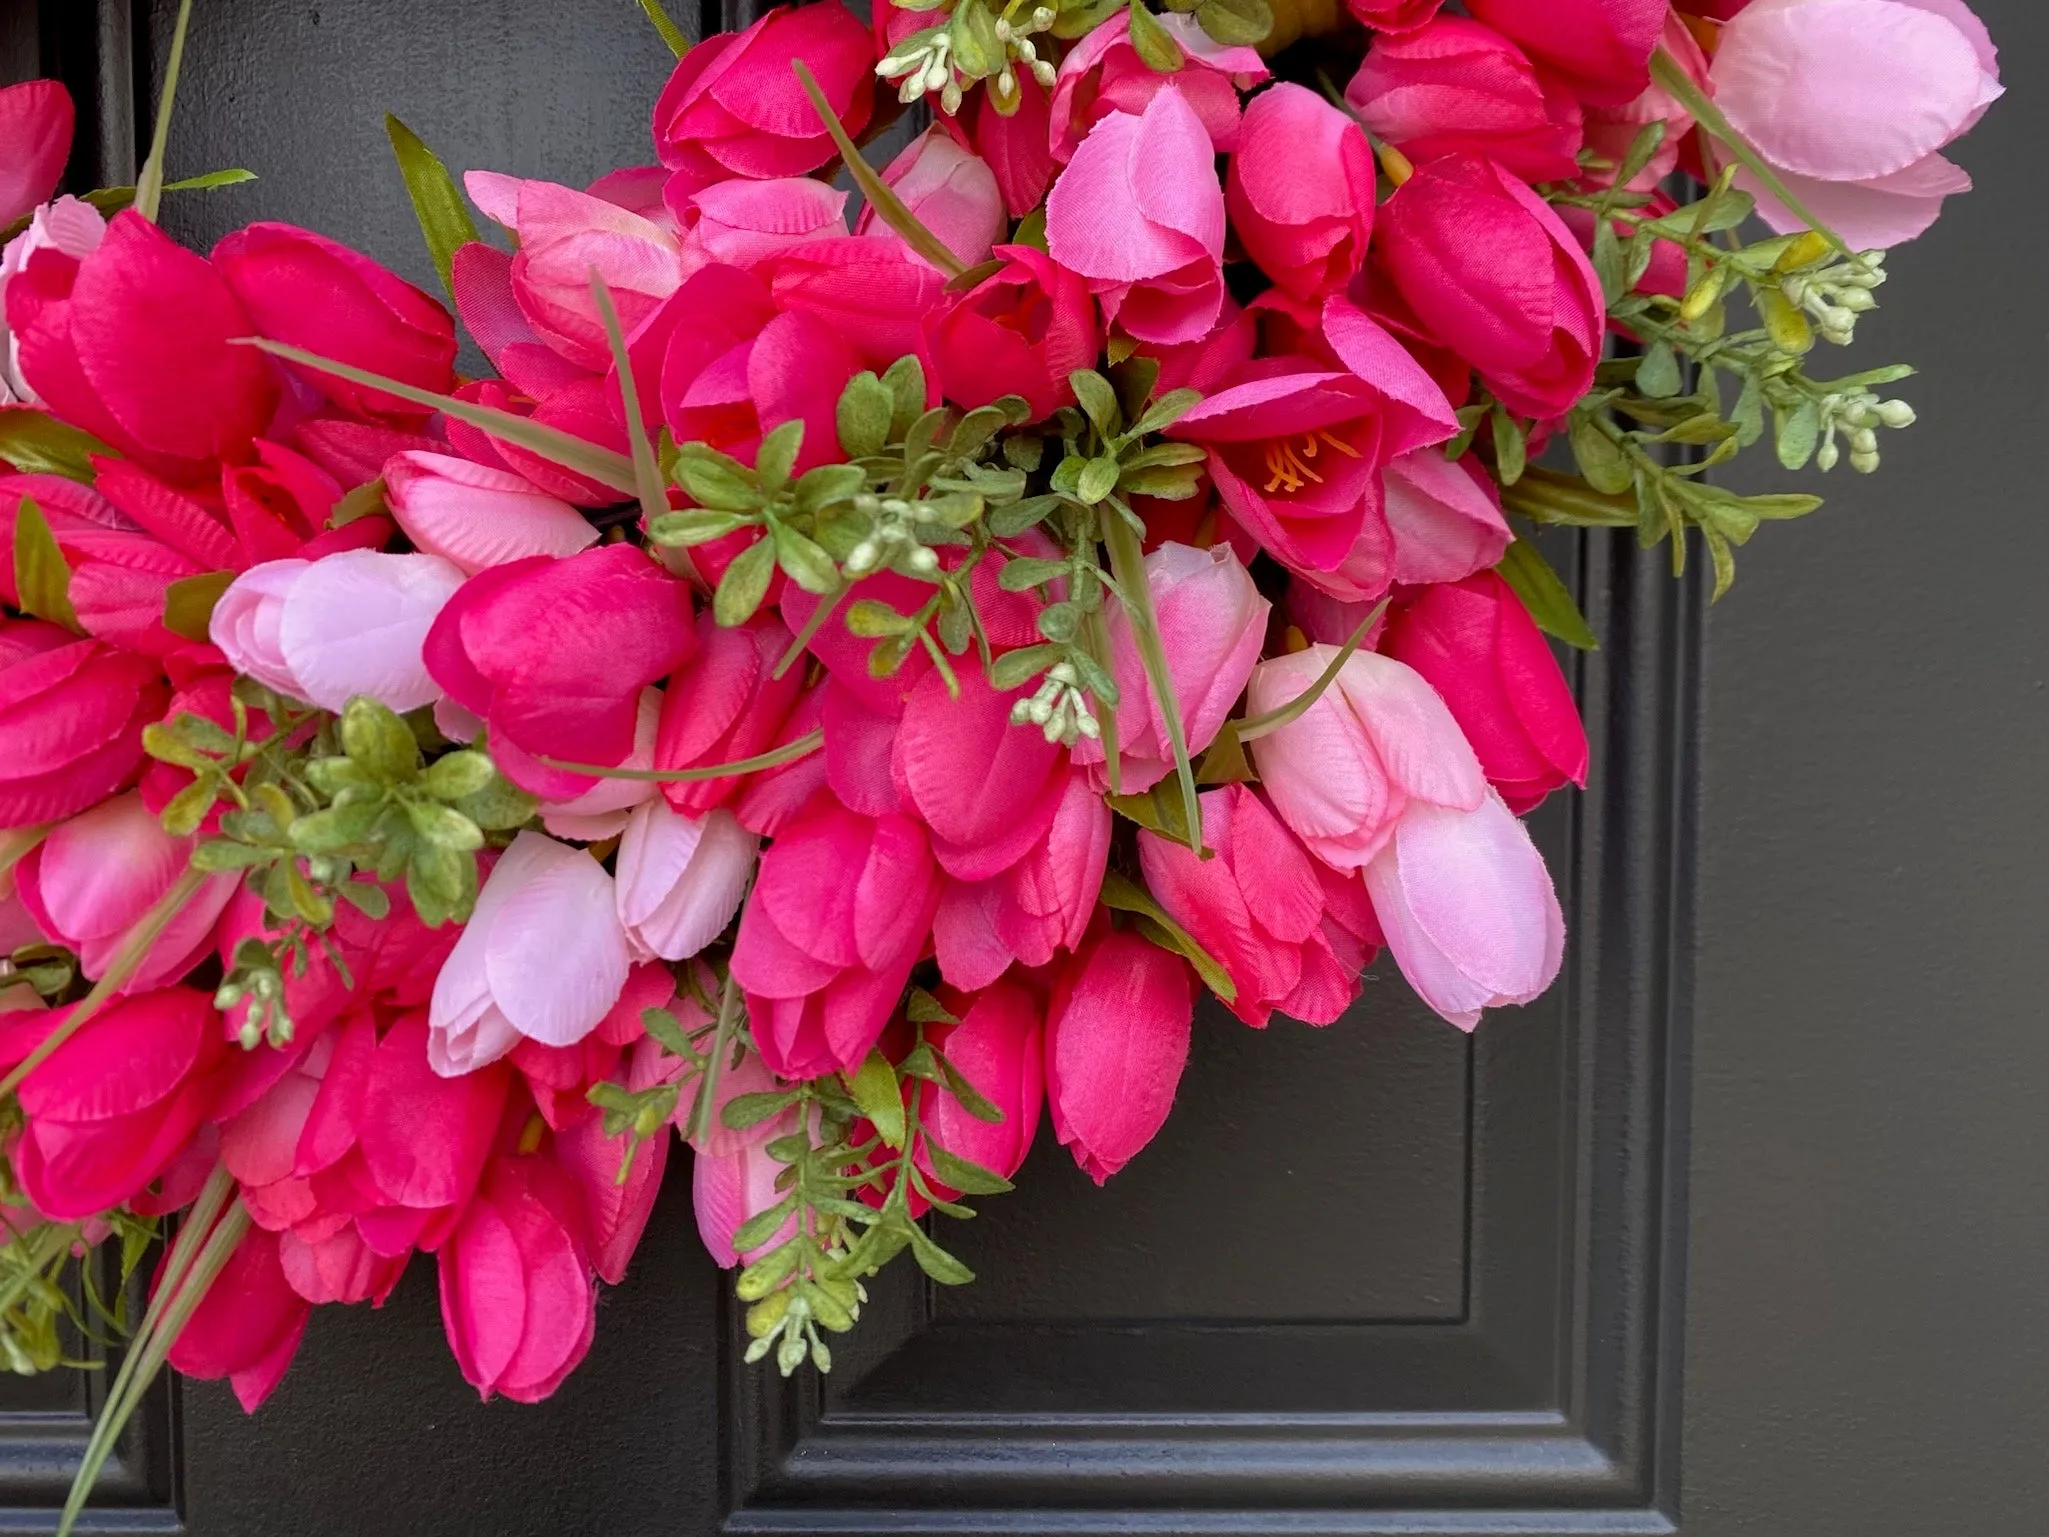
<point x="1743" y="1228"/>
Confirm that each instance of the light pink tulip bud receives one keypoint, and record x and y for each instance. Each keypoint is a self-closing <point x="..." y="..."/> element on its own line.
<point x="1116" y="1040"/>
<point x="326" y="630"/>
<point x="951" y="192"/>
<point x="681" y="878"/>
<point x="999" y="1047"/>
<point x="1446" y="519"/>
<point x="742" y="223"/>
<point x="478" y="516"/>
<point x="543" y="958"/>
<point x="728" y="1191"/>
<point x="68" y="226"/>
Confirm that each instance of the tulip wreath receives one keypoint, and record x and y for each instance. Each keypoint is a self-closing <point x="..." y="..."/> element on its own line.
<point x="838" y="689"/>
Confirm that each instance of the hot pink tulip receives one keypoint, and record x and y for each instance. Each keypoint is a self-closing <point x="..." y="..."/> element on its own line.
<point x="615" y="1212"/>
<point x="1300" y="191"/>
<point x="563" y="234"/>
<point x="72" y="229"/>
<point x="1445" y="518"/>
<point x="951" y="192"/>
<point x="312" y="292"/>
<point x="874" y="294"/>
<point x="1257" y="906"/>
<point x="327" y="630"/>
<point x="71" y="719"/>
<point x="1117" y="1036"/>
<point x="1493" y="274"/>
<point x="999" y="1047"/>
<point x="724" y="705"/>
<point x="1393" y="15"/>
<point x="94" y="878"/>
<point x="734" y="106"/>
<point x="681" y="878"/>
<point x="1296" y="445"/>
<point x="1852" y="103"/>
<point x="518" y="1299"/>
<point x="839" y="915"/>
<point x="248" y="1325"/>
<point x="1212" y="623"/>
<point x="601" y="811"/>
<point x="338" y="1267"/>
<point x="481" y="276"/>
<point x="136" y="344"/>
<point x="424" y="1136"/>
<point x="1104" y="74"/>
<point x="1014" y="147"/>
<point x="1611" y="130"/>
<point x="1475" y="643"/>
<point x="1457" y="87"/>
<point x="1021" y="331"/>
<point x="35" y="141"/>
<point x="543" y="958"/>
<point x="552" y="655"/>
<point x="109" y="1110"/>
<point x="1600" y="48"/>
<point x="743" y="223"/>
<point x="1038" y="907"/>
<point x="477" y="516"/>
<point x="1138" y="213"/>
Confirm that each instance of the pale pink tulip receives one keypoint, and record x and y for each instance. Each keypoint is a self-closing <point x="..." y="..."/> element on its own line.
<point x="475" y="515"/>
<point x="1212" y="623"/>
<point x="681" y="878"/>
<point x="1117" y="1037"/>
<point x="729" y="1190"/>
<point x="1445" y="518"/>
<point x="950" y="191"/>
<point x="742" y="223"/>
<point x="1138" y="212"/>
<point x="96" y="876"/>
<point x="326" y="630"/>
<point x="1852" y="102"/>
<point x="542" y="958"/>
<point x="68" y="226"/>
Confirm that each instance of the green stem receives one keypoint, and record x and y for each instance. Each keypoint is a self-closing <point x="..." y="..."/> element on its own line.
<point x="671" y="33"/>
<point x="775" y="757"/>
<point x="1265" y="725"/>
<point x="149" y="186"/>
<point x="1127" y="563"/>
<point x="647" y="473"/>
<point x="715" y="1059"/>
<point x="889" y="208"/>
<point x="18" y="842"/>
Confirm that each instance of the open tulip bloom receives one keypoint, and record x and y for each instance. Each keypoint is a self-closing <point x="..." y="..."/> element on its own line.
<point x="882" y="646"/>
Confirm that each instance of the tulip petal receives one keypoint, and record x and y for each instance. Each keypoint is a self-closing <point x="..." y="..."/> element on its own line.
<point x="357" y="622"/>
<point x="556" y="957"/>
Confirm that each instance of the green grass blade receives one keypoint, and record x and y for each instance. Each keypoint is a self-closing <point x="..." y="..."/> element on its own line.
<point x="647" y="472"/>
<point x="1127" y="564"/>
<point x="149" y="186"/>
<point x="445" y="221"/>
<point x="889" y="208"/>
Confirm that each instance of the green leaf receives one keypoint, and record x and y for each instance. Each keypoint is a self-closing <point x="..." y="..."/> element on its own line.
<point x="803" y="561"/>
<point x="1545" y="595"/>
<point x="1642" y="150"/>
<point x="906" y="380"/>
<point x="763" y="1226"/>
<point x="42" y="577"/>
<point x="744" y="1111"/>
<point x="36" y="443"/>
<point x="445" y="221"/>
<point x="1236" y="23"/>
<point x="149" y="185"/>
<point x="1599" y="458"/>
<point x="671" y="33"/>
<point x="1126" y="896"/>
<point x="1797" y="433"/>
<point x="745" y="584"/>
<point x="889" y="208"/>
<point x="444" y="826"/>
<point x="874" y="1088"/>
<point x="189" y="603"/>
<point x="1250" y="730"/>
<point x="921" y="1008"/>
<point x="499" y="807"/>
<point x="1098" y="400"/>
<point x="1153" y="43"/>
<point x="1128" y="563"/>
<point x="935" y="1261"/>
<point x="1165" y="412"/>
<point x="1098" y="479"/>
<point x="364" y="501"/>
<point x="1021" y="573"/>
<point x="1157" y="810"/>
<point x="647" y="470"/>
<point x="379" y="741"/>
<point x="1657" y="374"/>
<point x="1014" y="668"/>
<point x="777" y="455"/>
<point x="963" y="1175"/>
<point x="866" y="410"/>
<point x="1511" y="446"/>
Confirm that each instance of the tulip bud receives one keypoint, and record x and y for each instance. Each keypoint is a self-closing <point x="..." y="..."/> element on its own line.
<point x="1117" y="1037"/>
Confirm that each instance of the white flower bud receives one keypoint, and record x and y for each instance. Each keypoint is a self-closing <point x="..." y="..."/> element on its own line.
<point x="1863" y="441"/>
<point x="1044" y="73"/>
<point x="862" y="557"/>
<point x="924" y="559"/>
<point x="949" y="98"/>
<point x="1863" y="463"/>
<point x="1828" y="454"/>
<point x="1895" y="413"/>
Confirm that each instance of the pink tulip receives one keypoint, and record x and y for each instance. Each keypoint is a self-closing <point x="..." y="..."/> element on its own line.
<point x="1393" y="15"/>
<point x="1475" y="643"/>
<point x="1457" y="87"/>
<point x="423" y="1135"/>
<point x="35" y="140"/>
<point x="543" y="958"/>
<point x="248" y="1325"/>
<point x="1014" y="147"/>
<point x="1212" y="624"/>
<point x="96" y="876"/>
<point x="1138" y="213"/>
<point x="1117" y="1036"/>
<point x="1342" y="774"/>
<point x="839" y="915"/>
<point x="1468" y="909"/>
<point x="71" y="719"/>
<point x="1300" y="191"/>
<point x="724" y="705"/>
<point x="615" y="1212"/>
<point x="601" y="811"/>
<point x="1020" y="331"/>
<point x="563" y="235"/>
<point x="312" y="292"/>
<point x="517" y="1296"/>
<point x="1852" y="103"/>
<point x="552" y="655"/>
<point x="874" y="295"/>
<point x="729" y="1190"/>
<point x="743" y="223"/>
<point x="1104" y="74"/>
<point x="1493" y="274"/>
<point x="734" y="106"/>
<point x="136" y="344"/>
<point x="949" y="191"/>
<point x="1601" y="49"/>
<point x="1296" y="444"/>
<point x="327" y="630"/>
<point x="111" y="1108"/>
<point x="1038" y="907"/>
<point x="1611" y="130"/>
<point x="1445" y="518"/>
<point x="340" y="1267"/>
<point x="681" y="878"/>
<point x="999" y="1047"/>
<point x="72" y="229"/>
<point x="481" y="276"/>
<point x="477" y="516"/>
<point x="1257" y="906"/>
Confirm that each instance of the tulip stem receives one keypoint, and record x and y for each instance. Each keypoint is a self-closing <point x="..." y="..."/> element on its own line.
<point x="17" y="843"/>
<point x="775" y="757"/>
<point x="671" y="33"/>
<point x="1127" y="564"/>
<point x="647" y="472"/>
<point x="1257" y="726"/>
<point x="127" y="961"/>
<point x="149" y="185"/>
<point x="715" y="1059"/>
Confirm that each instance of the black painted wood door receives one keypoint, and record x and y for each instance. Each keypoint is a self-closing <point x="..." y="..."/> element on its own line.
<point x="1742" y="1229"/>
